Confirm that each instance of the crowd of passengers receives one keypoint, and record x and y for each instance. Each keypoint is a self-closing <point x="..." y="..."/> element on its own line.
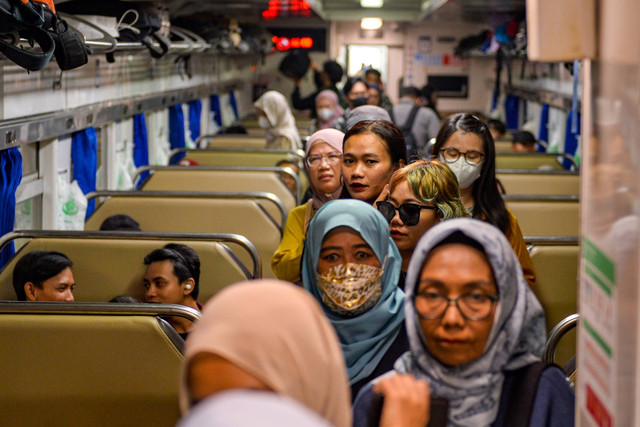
<point x="404" y="295"/>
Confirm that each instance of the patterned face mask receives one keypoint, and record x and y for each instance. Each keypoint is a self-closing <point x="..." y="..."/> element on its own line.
<point x="350" y="289"/>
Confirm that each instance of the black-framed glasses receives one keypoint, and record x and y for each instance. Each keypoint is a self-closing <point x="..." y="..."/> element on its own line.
<point x="315" y="160"/>
<point x="451" y="154"/>
<point x="409" y="212"/>
<point x="472" y="306"/>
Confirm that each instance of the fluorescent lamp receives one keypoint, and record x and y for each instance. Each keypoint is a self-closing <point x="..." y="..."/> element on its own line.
<point x="371" y="3"/>
<point x="371" y="23"/>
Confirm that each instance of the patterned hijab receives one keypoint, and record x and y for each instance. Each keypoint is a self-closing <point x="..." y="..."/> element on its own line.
<point x="516" y="339"/>
<point x="364" y="338"/>
<point x="278" y="334"/>
<point x="276" y="107"/>
<point x="339" y="111"/>
<point x="334" y="138"/>
<point x="366" y="112"/>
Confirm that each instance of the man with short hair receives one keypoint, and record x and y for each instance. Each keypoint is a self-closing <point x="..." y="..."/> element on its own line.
<point x="523" y="142"/>
<point x="44" y="276"/>
<point x="418" y="124"/>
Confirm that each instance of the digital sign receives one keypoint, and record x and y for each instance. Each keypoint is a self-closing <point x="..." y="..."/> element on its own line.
<point x="309" y="39"/>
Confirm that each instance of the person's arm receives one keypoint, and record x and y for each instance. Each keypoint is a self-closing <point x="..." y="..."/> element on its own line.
<point x="554" y="402"/>
<point x="287" y="258"/>
<point x="406" y="401"/>
<point x="520" y="248"/>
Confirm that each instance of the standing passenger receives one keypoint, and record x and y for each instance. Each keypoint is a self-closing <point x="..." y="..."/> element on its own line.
<point x="274" y="115"/>
<point x="323" y="162"/>
<point x="328" y="109"/>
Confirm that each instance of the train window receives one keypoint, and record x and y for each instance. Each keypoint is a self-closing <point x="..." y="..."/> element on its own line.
<point x="374" y="56"/>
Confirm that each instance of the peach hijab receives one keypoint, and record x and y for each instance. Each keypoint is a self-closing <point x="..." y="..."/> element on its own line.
<point x="276" y="332"/>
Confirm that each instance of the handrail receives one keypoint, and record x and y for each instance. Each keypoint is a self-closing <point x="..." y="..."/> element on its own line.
<point x="286" y="170"/>
<point x="541" y="198"/>
<point x="538" y="172"/>
<point x="552" y="240"/>
<point x="199" y="195"/>
<point x="295" y="152"/>
<point x="564" y="326"/>
<point x="92" y="308"/>
<point x="237" y="239"/>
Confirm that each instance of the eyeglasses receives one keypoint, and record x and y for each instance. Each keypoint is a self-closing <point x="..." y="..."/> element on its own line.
<point x="472" y="306"/>
<point x="451" y="154"/>
<point x="331" y="158"/>
<point x="409" y="212"/>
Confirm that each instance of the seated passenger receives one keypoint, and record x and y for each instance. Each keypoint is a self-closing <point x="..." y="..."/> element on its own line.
<point x="44" y="276"/>
<point x="351" y="266"/>
<point x="275" y="117"/>
<point x="288" y="180"/>
<point x="328" y="109"/>
<point x="497" y="129"/>
<point x="323" y="161"/>
<point x="270" y="338"/>
<point x="523" y="142"/>
<point x="474" y="327"/>
<point x="420" y="195"/>
<point x="172" y="277"/>
<point x="120" y="222"/>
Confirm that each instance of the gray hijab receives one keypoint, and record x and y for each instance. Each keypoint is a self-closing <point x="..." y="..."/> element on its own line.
<point x="516" y="339"/>
<point x="366" y="112"/>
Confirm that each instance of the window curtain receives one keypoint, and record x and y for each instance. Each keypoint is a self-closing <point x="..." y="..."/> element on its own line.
<point x="572" y="138"/>
<point x="84" y="156"/>
<point x="234" y="104"/>
<point x="140" y="146"/>
<point x="543" y="133"/>
<point x="11" y="174"/>
<point x="216" y="109"/>
<point x="512" y="111"/>
<point x="195" y="113"/>
<point x="176" y="131"/>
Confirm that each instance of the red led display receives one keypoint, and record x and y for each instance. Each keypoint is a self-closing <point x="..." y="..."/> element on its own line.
<point x="286" y="43"/>
<point x="281" y="8"/>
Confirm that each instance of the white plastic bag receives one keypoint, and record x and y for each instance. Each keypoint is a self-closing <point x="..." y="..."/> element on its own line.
<point x="72" y="206"/>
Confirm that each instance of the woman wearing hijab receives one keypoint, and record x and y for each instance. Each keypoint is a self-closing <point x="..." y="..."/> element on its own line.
<point x="328" y="108"/>
<point x="351" y="266"/>
<point x="275" y="117"/>
<point x="323" y="163"/>
<point x="474" y="327"/>
<point x="269" y="337"/>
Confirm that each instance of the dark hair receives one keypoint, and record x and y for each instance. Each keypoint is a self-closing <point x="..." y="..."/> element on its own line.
<point x="351" y="82"/>
<point x="287" y="162"/>
<point x="376" y="87"/>
<point x="120" y="222"/>
<point x="489" y="205"/>
<point x="497" y="125"/>
<point x="385" y="130"/>
<point x="333" y="70"/>
<point x="37" y="267"/>
<point x="125" y="299"/>
<point x="374" y="72"/>
<point x="524" y="137"/>
<point x="186" y="263"/>
<point x="427" y="92"/>
<point x="411" y="91"/>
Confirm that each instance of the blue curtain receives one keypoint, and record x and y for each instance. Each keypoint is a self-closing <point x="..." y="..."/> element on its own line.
<point x="176" y="130"/>
<point x="571" y="138"/>
<point x="11" y="174"/>
<point x="84" y="156"/>
<point x="217" y="110"/>
<point x="233" y="103"/>
<point x="195" y="112"/>
<point x="512" y="111"/>
<point x="140" y="146"/>
<point x="543" y="132"/>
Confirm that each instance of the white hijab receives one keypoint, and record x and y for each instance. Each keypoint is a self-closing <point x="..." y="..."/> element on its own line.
<point x="276" y="107"/>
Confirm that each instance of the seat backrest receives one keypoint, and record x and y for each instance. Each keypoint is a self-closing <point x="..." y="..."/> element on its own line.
<point x="241" y="158"/>
<point x="528" y="161"/>
<point x="194" y="179"/>
<point x="534" y="183"/>
<point x="105" y="268"/>
<point x="234" y="141"/>
<point x="556" y="286"/>
<point x="198" y="215"/>
<point x="503" y="146"/>
<point x="539" y="217"/>
<point x="86" y="369"/>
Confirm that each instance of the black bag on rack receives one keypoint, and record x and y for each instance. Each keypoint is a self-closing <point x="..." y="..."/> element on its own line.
<point x="18" y="19"/>
<point x="295" y="65"/>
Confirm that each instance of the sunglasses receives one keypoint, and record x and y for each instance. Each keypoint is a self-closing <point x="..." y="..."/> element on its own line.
<point x="409" y="212"/>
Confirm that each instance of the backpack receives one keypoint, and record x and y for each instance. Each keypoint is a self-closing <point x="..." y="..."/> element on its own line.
<point x="406" y="128"/>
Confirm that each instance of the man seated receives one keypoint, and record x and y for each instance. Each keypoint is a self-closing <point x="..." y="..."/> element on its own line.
<point x="44" y="276"/>
<point x="523" y="142"/>
<point x="172" y="277"/>
<point x="497" y="129"/>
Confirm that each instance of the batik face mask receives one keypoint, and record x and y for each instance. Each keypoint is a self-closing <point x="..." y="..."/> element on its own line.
<point x="350" y="289"/>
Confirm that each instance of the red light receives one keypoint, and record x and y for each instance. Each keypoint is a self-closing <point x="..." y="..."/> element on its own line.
<point x="274" y="39"/>
<point x="306" y="42"/>
<point x="283" y="44"/>
<point x="295" y="42"/>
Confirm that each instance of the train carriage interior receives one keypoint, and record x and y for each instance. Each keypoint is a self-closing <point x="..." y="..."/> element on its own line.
<point x="152" y="109"/>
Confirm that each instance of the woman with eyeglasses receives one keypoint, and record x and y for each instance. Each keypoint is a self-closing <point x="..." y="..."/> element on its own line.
<point x="420" y="195"/>
<point x="351" y="266"/>
<point x="373" y="151"/>
<point x="323" y="163"/>
<point x="465" y="144"/>
<point x="476" y="334"/>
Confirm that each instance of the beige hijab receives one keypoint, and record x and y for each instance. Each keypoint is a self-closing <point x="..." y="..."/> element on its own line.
<point x="277" y="333"/>
<point x="276" y="107"/>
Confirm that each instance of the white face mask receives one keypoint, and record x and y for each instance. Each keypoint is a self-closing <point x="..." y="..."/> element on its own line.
<point x="350" y="289"/>
<point x="263" y="122"/>
<point x="325" y="114"/>
<point x="466" y="173"/>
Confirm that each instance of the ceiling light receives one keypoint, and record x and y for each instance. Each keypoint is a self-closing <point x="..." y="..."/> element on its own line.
<point x="371" y="23"/>
<point x="371" y="3"/>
